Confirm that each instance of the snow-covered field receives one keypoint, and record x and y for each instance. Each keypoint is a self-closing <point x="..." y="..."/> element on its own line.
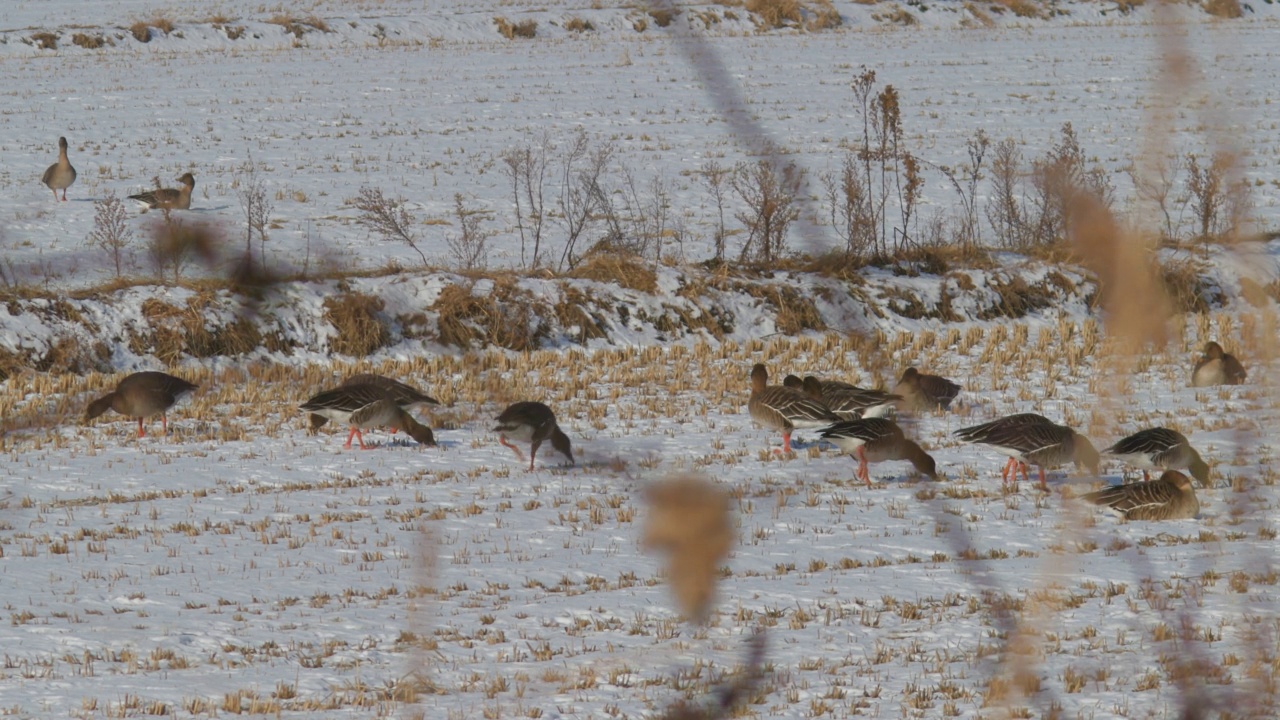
<point x="240" y="565"/>
<point x="421" y="103"/>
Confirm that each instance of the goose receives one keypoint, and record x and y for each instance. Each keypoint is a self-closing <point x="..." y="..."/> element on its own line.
<point x="784" y="409"/>
<point x="361" y="406"/>
<point x="531" y="422"/>
<point x="169" y="198"/>
<point x="60" y="175"/>
<point x="1160" y="449"/>
<point x="1170" y="498"/>
<point x="1031" y="439"/>
<point x="876" y="440"/>
<point x="921" y="392"/>
<point x="1217" y="367"/>
<point x="143" y="395"/>
<point x="404" y="395"/>
<point x="845" y="401"/>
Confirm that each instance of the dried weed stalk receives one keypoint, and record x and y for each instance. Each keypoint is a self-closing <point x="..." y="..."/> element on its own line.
<point x="689" y="521"/>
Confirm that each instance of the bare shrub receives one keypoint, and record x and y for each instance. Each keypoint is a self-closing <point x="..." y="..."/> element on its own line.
<point x="849" y="207"/>
<point x="822" y="15"/>
<point x="356" y="318"/>
<point x="964" y="179"/>
<point x="638" y="215"/>
<point x="1226" y="9"/>
<point x="45" y="40"/>
<point x="1154" y="183"/>
<point x="617" y="269"/>
<point x="469" y="248"/>
<point x="141" y="31"/>
<point x="662" y="16"/>
<point x="506" y="317"/>
<point x="1060" y="180"/>
<point x="175" y="245"/>
<point x="90" y="42"/>
<point x="1022" y="8"/>
<point x="1004" y="209"/>
<point x="256" y="205"/>
<point x="111" y="232"/>
<point x="300" y="26"/>
<point x="387" y="217"/>
<point x="769" y="194"/>
<point x="1219" y="206"/>
<point x="526" y="167"/>
<point x="578" y="25"/>
<point x="716" y="178"/>
<point x="582" y="169"/>
<point x="522" y="29"/>
<point x="775" y="13"/>
<point x="888" y="171"/>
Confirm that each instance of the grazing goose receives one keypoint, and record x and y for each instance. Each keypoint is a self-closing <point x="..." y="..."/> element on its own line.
<point x="1028" y="438"/>
<point x="1170" y="498"/>
<point x="60" y="175"/>
<point x="406" y="396"/>
<point x="387" y="413"/>
<point x="531" y="422"/>
<point x="1160" y="449"/>
<point x="845" y="401"/>
<point x="921" y="392"/>
<point x="1217" y="368"/>
<point x="876" y="440"/>
<point x="142" y="395"/>
<point x="784" y="409"/>
<point x="169" y="198"/>
<point x="361" y="406"/>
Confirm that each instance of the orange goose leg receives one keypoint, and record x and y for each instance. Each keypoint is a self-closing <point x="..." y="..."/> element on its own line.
<point x="786" y="442"/>
<point x="141" y="432"/>
<point x="503" y="439"/>
<point x="863" y="472"/>
<point x="355" y="433"/>
<point x="1043" y="485"/>
<point x="1004" y="475"/>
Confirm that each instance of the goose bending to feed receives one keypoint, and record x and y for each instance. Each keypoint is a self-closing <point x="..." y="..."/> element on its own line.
<point x="921" y="392"/>
<point x="1170" y="498"/>
<point x="61" y="174"/>
<point x="1217" y="367"/>
<point x="785" y="409"/>
<point x="362" y="406"/>
<point x="169" y="198"/>
<point x="534" y="423"/>
<point x="845" y="401"/>
<point x="1031" y="439"/>
<point x="143" y="395"/>
<point x="1160" y="449"/>
<point x="872" y="440"/>
<point x="404" y="395"/>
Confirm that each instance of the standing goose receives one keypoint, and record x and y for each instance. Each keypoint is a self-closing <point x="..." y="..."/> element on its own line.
<point x="404" y="395"/>
<point x="1217" y="367"/>
<point x="921" y="392"/>
<point x="142" y="395"/>
<point x="876" y="440"/>
<point x="784" y="409"/>
<point x="531" y="422"/>
<point x="60" y="175"/>
<point x="169" y="198"/>
<point x="364" y="406"/>
<point x="1170" y="498"/>
<point x="845" y="401"/>
<point x="1031" y="439"/>
<point x="1160" y="449"/>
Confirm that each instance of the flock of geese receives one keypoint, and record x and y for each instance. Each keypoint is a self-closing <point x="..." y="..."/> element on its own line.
<point x="61" y="175"/>
<point x="853" y="419"/>
<point x="849" y="417"/>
